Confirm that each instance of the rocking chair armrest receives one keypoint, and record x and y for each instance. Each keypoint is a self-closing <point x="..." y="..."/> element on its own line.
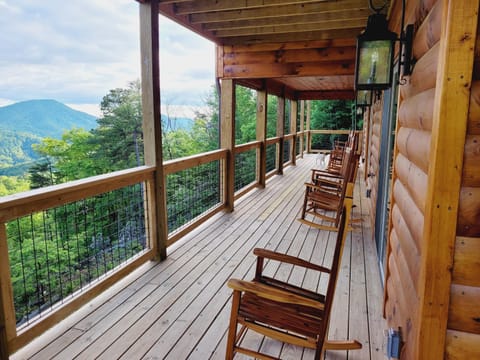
<point x="314" y="187"/>
<point x="325" y="173"/>
<point x="334" y="182"/>
<point x="268" y="254"/>
<point x="272" y="293"/>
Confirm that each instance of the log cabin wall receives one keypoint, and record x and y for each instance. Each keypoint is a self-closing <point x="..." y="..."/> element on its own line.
<point x="463" y="328"/>
<point x="403" y="285"/>
<point x="374" y="156"/>
<point x="409" y="185"/>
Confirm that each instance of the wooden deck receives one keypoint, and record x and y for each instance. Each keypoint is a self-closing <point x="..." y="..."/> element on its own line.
<point x="179" y="309"/>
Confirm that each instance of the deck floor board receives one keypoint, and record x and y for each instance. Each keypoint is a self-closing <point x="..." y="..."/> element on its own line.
<point x="179" y="308"/>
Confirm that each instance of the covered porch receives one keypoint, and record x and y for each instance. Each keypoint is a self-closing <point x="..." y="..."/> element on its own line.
<point x="179" y="308"/>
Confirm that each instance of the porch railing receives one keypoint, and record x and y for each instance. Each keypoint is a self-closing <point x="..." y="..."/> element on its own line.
<point x="194" y="186"/>
<point x="323" y="140"/>
<point x="60" y="246"/>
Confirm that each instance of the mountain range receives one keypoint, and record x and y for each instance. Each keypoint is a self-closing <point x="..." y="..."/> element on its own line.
<point x="25" y="123"/>
<point x="43" y="118"/>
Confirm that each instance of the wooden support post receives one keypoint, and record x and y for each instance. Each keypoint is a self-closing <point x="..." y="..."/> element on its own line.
<point x="302" y="127"/>
<point x="293" y="130"/>
<point x="280" y="133"/>
<point x="309" y="135"/>
<point x="227" y="139"/>
<point x="262" y="136"/>
<point x="451" y="106"/>
<point x="7" y="308"/>
<point x="152" y="131"/>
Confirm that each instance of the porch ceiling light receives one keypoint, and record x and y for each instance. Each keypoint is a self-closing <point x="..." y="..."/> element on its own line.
<point x="376" y="49"/>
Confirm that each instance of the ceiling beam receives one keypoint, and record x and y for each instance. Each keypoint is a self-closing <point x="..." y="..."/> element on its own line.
<point x="326" y="68"/>
<point x="325" y="95"/>
<point x="290" y="56"/>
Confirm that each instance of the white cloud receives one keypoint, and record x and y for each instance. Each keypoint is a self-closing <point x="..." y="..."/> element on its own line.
<point x="5" y="102"/>
<point x="182" y="111"/>
<point x="76" y="51"/>
<point x="92" y="109"/>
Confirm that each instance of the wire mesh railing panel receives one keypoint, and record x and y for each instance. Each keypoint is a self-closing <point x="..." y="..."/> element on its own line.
<point x="325" y="142"/>
<point x="59" y="251"/>
<point x="271" y="157"/>
<point x="298" y="148"/>
<point x="286" y="151"/>
<point x="191" y="192"/>
<point x="245" y="168"/>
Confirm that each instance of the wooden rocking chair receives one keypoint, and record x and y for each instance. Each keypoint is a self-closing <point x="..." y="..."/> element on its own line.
<point x="285" y="312"/>
<point x="337" y="155"/>
<point x="324" y="199"/>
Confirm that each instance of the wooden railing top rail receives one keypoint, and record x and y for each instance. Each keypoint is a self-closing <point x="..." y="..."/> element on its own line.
<point x="24" y="203"/>
<point x="273" y="140"/>
<point x="340" y="132"/>
<point x="289" y="136"/>
<point x="173" y="166"/>
<point x="247" y="146"/>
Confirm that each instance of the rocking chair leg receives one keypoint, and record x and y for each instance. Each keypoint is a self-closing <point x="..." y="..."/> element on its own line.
<point x="232" y="329"/>
<point x="342" y="345"/>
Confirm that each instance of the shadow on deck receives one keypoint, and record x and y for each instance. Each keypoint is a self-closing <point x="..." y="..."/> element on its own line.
<point x="179" y="308"/>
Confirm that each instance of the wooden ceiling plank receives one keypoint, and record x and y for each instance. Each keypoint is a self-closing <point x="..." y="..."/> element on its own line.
<point x="277" y="11"/>
<point x="296" y="45"/>
<point x="206" y="6"/>
<point x="285" y="29"/>
<point x="168" y="11"/>
<point x="290" y="20"/>
<point x="293" y="37"/>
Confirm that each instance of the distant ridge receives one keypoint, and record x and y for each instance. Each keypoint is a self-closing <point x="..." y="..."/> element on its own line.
<point x="43" y="118"/>
<point x="25" y="123"/>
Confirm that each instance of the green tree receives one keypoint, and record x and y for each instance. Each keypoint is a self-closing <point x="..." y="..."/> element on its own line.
<point x="41" y="174"/>
<point x="205" y="132"/>
<point x="72" y="154"/>
<point x="330" y="115"/>
<point x="119" y="136"/>
<point x="12" y="184"/>
<point x="272" y="111"/>
<point x="245" y="115"/>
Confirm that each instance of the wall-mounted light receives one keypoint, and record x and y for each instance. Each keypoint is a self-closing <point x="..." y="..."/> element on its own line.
<point x="359" y="111"/>
<point x="375" y="52"/>
<point x="363" y="98"/>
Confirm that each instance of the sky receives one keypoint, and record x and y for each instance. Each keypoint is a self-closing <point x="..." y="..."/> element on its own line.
<point x="76" y="51"/>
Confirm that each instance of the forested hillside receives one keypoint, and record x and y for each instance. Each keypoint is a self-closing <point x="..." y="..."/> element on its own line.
<point x="16" y="149"/>
<point x="43" y="118"/>
<point x="25" y="123"/>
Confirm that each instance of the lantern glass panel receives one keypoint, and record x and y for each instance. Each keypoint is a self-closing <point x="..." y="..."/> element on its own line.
<point x="364" y="97"/>
<point x="375" y="61"/>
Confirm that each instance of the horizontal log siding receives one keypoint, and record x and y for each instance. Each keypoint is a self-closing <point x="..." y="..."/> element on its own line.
<point x="463" y="335"/>
<point x="374" y="157"/>
<point x="410" y="180"/>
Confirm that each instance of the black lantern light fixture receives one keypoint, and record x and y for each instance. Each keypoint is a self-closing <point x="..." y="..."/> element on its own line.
<point x="363" y="98"/>
<point x="375" y="52"/>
